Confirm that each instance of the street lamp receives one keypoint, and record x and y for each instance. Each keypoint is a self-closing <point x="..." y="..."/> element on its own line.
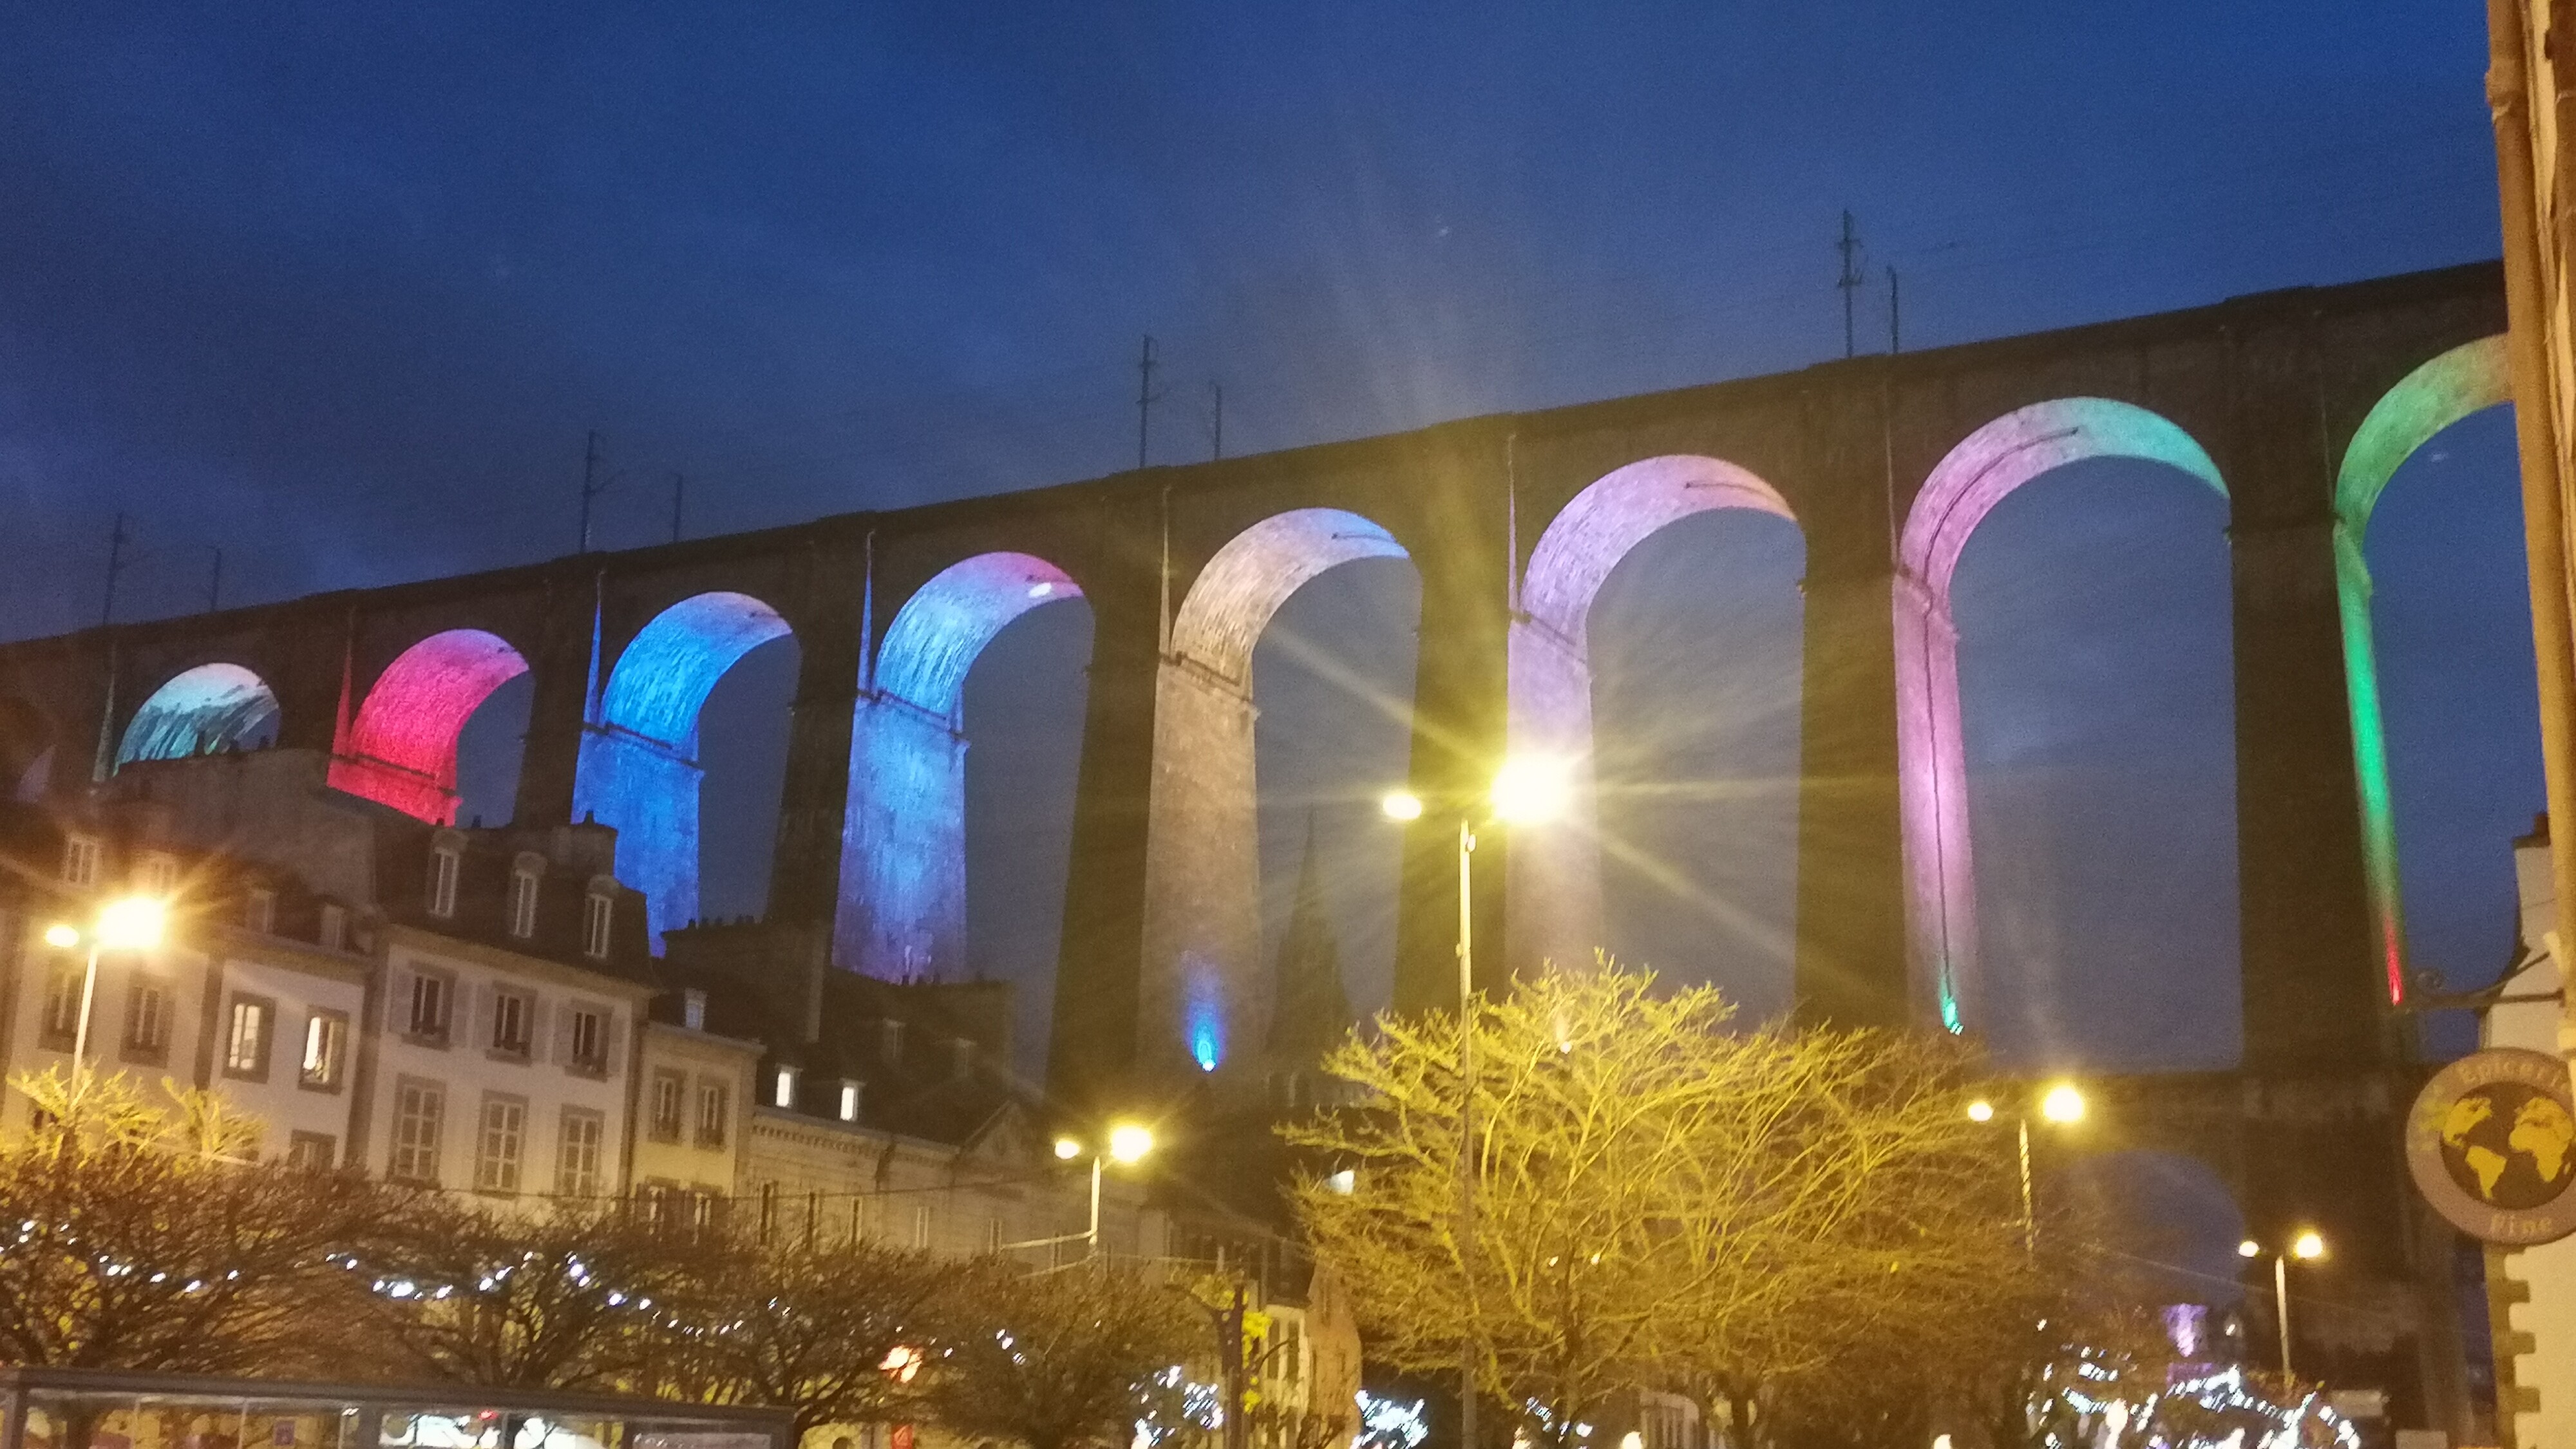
<point x="1527" y="790"/>
<point x="1127" y="1145"/>
<point x="128" y="923"/>
<point x="2307" y="1247"/>
<point x="2062" y="1104"/>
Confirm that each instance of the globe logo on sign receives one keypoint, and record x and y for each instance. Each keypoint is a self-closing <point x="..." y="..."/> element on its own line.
<point x="2492" y="1144"/>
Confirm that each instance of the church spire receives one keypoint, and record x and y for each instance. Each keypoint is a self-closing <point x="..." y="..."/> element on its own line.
<point x="1310" y="1012"/>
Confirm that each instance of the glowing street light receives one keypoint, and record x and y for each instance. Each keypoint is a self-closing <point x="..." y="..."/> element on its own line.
<point x="2308" y="1246"/>
<point x="128" y="923"/>
<point x="2063" y="1104"/>
<point x="1128" y="1144"/>
<point x="1531" y="789"/>
<point x="1401" y="805"/>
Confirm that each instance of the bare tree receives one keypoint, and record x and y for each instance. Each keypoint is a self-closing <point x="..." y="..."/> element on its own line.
<point x="838" y="1333"/>
<point x="1063" y="1360"/>
<point x="133" y="1236"/>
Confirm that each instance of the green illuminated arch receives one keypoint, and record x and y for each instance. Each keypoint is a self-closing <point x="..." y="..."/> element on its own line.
<point x="2467" y="379"/>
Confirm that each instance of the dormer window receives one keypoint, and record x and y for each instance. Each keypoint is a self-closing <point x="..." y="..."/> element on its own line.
<point x="693" y="1009"/>
<point x="961" y="1058"/>
<point x="259" y="910"/>
<point x="782" y="1091"/>
<point x="81" y="857"/>
<point x="333" y="933"/>
<point x="849" y="1100"/>
<point x="158" y="875"/>
<point x="597" y="912"/>
<point x="446" y="859"/>
<point x="889" y="1039"/>
<point x="524" y="879"/>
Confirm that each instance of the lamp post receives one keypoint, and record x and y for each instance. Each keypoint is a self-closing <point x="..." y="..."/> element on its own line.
<point x="2062" y="1104"/>
<point x="1128" y="1143"/>
<point x="130" y="923"/>
<point x="2307" y="1247"/>
<point x="1527" y="790"/>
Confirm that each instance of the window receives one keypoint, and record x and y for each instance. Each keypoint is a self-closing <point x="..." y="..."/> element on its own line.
<point x="523" y="898"/>
<point x="498" y="1145"/>
<point x="246" y="1030"/>
<point x="693" y="1009"/>
<point x="147" y="1021"/>
<point x="420" y="1114"/>
<point x="769" y="1210"/>
<point x="711" y="1114"/>
<point x="61" y="1024"/>
<point x="589" y="1040"/>
<point x="443" y="863"/>
<point x="511" y="1015"/>
<point x="311" y="1151"/>
<point x="702" y="1210"/>
<point x="594" y="926"/>
<point x="81" y="855"/>
<point x="334" y="933"/>
<point x="259" y="910"/>
<point x="992" y="1235"/>
<point x="667" y="1089"/>
<point x="849" y="1101"/>
<point x="326" y="1045"/>
<point x="783" y="1092"/>
<point x="577" y="1156"/>
<point x="921" y="1225"/>
<point x="430" y="995"/>
<point x="158" y="875"/>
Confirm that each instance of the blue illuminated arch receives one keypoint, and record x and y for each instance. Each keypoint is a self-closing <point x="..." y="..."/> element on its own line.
<point x="902" y="910"/>
<point x="201" y="711"/>
<point x="638" y="770"/>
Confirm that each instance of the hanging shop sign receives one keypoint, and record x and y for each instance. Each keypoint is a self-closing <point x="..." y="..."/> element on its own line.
<point x="2492" y="1143"/>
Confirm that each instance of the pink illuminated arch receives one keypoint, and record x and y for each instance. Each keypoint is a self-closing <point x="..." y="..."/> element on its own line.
<point x="401" y="748"/>
<point x="1555" y="895"/>
<point x="1941" y="892"/>
<point x="1202" y="1001"/>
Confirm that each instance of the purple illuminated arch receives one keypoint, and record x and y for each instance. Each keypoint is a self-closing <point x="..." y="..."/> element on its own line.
<point x="1555" y="895"/>
<point x="638" y="769"/>
<point x="902" y="910"/>
<point x="199" y="712"/>
<point x="1201" y="988"/>
<point x="1932" y="771"/>
<point x="401" y="749"/>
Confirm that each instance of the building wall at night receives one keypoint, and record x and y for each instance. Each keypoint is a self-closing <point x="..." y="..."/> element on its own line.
<point x="2531" y="1292"/>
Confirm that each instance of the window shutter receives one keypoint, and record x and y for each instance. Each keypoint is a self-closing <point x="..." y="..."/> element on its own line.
<point x="562" y="1034"/>
<point x="398" y="1000"/>
<point x="541" y="1041"/>
<point x="475" y="1030"/>
<point x="610" y="1022"/>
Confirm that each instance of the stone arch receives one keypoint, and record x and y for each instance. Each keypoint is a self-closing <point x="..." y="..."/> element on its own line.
<point x="2467" y="379"/>
<point x="1554" y="900"/>
<point x="902" y="908"/>
<point x="1200" y="988"/>
<point x="638" y="771"/>
<point x="200" y="711"/>
<point x="1984" y="469"/>
<point x="400" y="750"/>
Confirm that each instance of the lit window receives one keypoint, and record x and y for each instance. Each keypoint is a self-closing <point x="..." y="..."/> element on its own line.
<point x="921" y="1225"/>
<point x="667" y="1090"/>
<point x="523" y="900"/>
<point x="577" y="1158"/>
<point x="420" y="1112"/>
<point x="443" y="864"/>
<point x="510" y="1017"/>
<point x="158" y="876"/>
<point x="711" y="1114"/>
<point x="588" y="1042"/>
<point x="504" y="1133"/>
<point x="594" y="926"/>
<point x="246" y="1038"/>
<point x="693" y="1009"/>
<point x="81" y="855"/>
<point x="259" y="910"/>
<point x="783" y="1094"/>
<point x="849" y="1101"/>
<point x="326" y="1037"/>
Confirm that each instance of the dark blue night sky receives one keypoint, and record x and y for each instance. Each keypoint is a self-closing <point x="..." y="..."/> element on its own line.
<point x="338" y="290"/>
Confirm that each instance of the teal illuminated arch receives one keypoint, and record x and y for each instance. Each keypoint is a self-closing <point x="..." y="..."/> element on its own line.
<point x="2467" y="379"/>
